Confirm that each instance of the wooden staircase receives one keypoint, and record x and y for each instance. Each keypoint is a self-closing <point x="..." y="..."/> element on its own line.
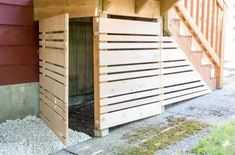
<point x="199" y="33"/>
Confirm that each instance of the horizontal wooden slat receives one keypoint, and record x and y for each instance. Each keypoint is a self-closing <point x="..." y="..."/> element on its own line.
<point x="128" y="115"/>
<point x="128" y="27"/>
<point x="128" y="57"/>
<point x="16" y="15"/>
<point x="54" y="121"/>
<point x="18" y="35"/>
<point x="128" y="45"/>
<point x="111" y="77"/>
<point x="172" y="54"/>
<point x="129" y="104"/>
<point x="53" y="44"/>
<point x="57" y="69"/>
<point x="57" y="23"/>
<point x="175" y="63"/>
<point x="185" y="97"/>
<point x="177" y="69"/>
<point x="183" y="86"/>
<point x="112" y="100"/>
<point x="128" y="86"/>
<point x="113" y="69"/>
<point x="51" y="97"/>
<point x="18" y="55"/>
<point x="53" y="75"/>
<point x="131" y="38"/>
<point x="173" y="79"/>
<point x="56" y="36"/>
<point x="53" y="106"/>
<point x="15" y="74"/>
<point x="52" y="55"/>
<point x="54" y="87"/>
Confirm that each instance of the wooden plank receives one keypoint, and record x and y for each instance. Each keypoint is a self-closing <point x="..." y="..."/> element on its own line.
<point x="126" y="68"/>
<point x="128" y="56"/>
<point x="172" y="54"/>
<point x="103" y="45"/>
<point x="121" y="117"/>
<point x="16" y="15"/>
<point x="129" y="104"/>
<point x="174" y="64"/>
<point x="51" y="97"/>
<point x="128" y="97"/>
<point x="173" y="79"/>
<point x="17" y="2"/>
<point x="128" y="75"/>
<point x="15" y="74"/>
<point x="131" y="27"/>
<point x="103" y="37"/>
<point x="75" y="9"/>
<point x="177" y="69"/>
<point x="140" y="4"/>
<point x="17" y="35"/>
<point x="51" y="36"/>
<point x="54" y="121"/>
<point x="128" y="86"/>
<point x="52" y="67"/>
<point x="53" y="44"/>
<point x="183" y="86"/>
<point x="53" y="106"/>
<point x="167" y="5"/>
<point x="185" y="97"/>
<point x="53" y="75"/>
<point x="18" y="55"/>
<point x="54" y="87"/>
<point x="56" y="24"/>
<point x="54" y="56"/>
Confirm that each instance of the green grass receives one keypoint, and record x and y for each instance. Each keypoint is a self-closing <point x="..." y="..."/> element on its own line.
<point x="221" y="142"/>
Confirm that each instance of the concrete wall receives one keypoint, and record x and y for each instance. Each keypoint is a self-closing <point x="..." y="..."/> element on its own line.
<point x="18" y="101"/>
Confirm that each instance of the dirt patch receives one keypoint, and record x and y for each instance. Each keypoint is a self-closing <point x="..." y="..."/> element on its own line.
<point x="176" y="129"/>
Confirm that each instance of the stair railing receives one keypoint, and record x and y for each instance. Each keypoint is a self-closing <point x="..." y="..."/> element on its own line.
<point x="205" y="20"/>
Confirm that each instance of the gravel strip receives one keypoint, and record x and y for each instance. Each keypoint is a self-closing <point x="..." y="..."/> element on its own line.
<point x="30" y="136"/>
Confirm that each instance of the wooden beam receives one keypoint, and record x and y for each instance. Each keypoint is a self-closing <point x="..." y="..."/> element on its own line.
<point x="107" y="4"/>
<point x="139" y="5"/>
<point x="167" y="5"/>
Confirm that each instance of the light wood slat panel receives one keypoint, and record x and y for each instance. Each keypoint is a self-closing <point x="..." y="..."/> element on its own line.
<point x="128" y="57"/>
<point x="185" y="97"/>
<point x="169" y="45"/>
<point x="175" y="64"/>
<point x="107" y="25"/>
<point x="56" y="36"/>
<point x="172" y="54"/>
<point x="52" y="55"/>
<point x="54" y="87"/>
<point x="129" y="104"/>
<point x="53" y="106"/>
<point x="111" y="77"/>
<point x="54" y="121"/>
<point x="128" y="45"/>
<point x="52" y="75"/>
<point x="183" y="86"/>
<point x="51" y="97"/>
<point x="132" y="38"/>
<point x="57" y="23"/>
<point x="173" y="79"/>
<point x="126" y="68"/>
<point x="112" y="100"/>
<point x="57" y="69"/>
<point x="176" y="69"/>
<point x="184" y="92"/>
<point x="53" y="44"/>
<point x="128" y="86"/>
<point x="128" y="115"/>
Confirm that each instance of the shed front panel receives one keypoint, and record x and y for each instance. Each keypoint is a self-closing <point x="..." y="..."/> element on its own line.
<point x="53" y="78"/>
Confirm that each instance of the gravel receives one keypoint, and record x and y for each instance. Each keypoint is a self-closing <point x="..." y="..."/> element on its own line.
<point x="30" y="136"/>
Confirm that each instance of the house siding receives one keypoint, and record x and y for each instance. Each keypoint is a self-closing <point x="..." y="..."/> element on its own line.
<point x="18" y="43"/>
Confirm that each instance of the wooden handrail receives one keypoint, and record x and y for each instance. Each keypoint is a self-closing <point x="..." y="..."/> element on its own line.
<point x="198" y="34"/>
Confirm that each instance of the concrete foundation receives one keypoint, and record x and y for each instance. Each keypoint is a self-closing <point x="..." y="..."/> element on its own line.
<point x="18" y="101"/>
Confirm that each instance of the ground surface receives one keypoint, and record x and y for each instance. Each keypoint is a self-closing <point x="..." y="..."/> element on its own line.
<point x="30" y="136"/>
<point x="212" y="109"/>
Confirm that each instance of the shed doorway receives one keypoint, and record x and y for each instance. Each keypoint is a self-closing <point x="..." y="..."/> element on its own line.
<point x="81" y="87"/>
<point x="66" y="74"/>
